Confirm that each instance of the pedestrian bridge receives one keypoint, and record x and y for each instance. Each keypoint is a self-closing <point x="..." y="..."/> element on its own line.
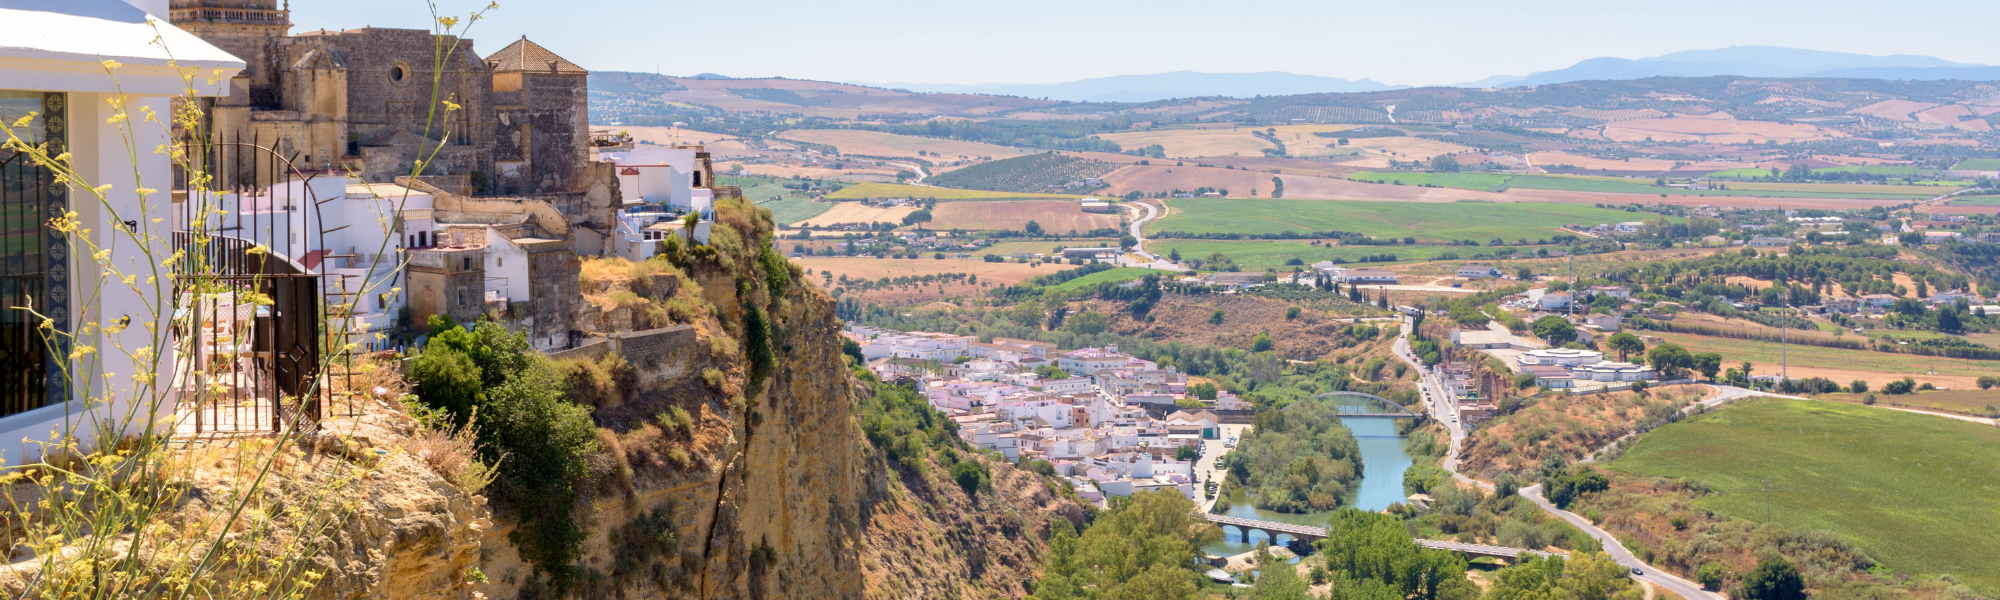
<point x="1309" y="534"/>
<point x="1388" y="409"/>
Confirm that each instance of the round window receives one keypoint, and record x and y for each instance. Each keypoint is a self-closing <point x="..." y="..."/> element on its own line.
<point x="398" y="73"/>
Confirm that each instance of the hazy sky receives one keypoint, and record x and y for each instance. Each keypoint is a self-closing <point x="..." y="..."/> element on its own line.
<point x="1047" y="41"/>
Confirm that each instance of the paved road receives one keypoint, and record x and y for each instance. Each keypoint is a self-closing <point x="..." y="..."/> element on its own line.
<point x="1687" y="589"/>
<point x="1209" y="467"/>
<point x="1153" y="261"/>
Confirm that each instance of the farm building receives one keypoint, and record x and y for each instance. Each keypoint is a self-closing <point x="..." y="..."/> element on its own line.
<point x="1614" y="371"/>
<point x="1093" y="205"/>
<point x="1365" y="276"/>
<point x="1770" y="242"/>
<point x="1090" y="253"/>
<point x="1477" y="271"/>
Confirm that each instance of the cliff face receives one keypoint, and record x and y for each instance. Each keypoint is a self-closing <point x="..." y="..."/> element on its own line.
<point x="734" y="466"/>
<point x="927" y="539"/>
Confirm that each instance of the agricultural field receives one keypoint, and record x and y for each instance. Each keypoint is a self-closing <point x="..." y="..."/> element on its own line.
<point x="1925" y="191"/>
<point x="1969" y="401"/>
<point x="876" y="143"/>
<point x="1032" y="173"/>
<point x="1057" y="217"/>
<point x="1975" y="201"/>
<point x="1183" y="143"/>
<point x="787" y="210"/>
<point x="1917" y="493"/>
<point x="1118" y="275"/>
<point x="1479" y="221"/>
<point x="1837" y="364"/>
<point x="1889" y="170"/>
<point x="1715" y="128"/>
<point x="1257" y="255"/>
<point x="1491" y="182"/>
<point x="855" y="212"/>
<point x="1381" y="149"/>
<point x="891" y="190"/>
<point x="1008" y="248"/>
<point x="1977" y="164"/>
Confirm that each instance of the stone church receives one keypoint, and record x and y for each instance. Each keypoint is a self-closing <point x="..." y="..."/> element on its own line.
<point x="361" y="101"/>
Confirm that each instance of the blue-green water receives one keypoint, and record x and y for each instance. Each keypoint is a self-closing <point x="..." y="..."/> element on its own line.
<point x="1383" y="461"/>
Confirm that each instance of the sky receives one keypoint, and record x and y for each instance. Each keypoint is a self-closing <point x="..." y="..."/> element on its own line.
<point x="1051" y="41"/>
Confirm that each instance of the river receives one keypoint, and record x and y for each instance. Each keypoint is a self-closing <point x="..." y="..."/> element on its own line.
<point x="1383" y="460"/>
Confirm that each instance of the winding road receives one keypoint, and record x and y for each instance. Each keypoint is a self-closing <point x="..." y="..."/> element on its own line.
<point x="1153" y="261"/>
<point x="1443" y="407"/>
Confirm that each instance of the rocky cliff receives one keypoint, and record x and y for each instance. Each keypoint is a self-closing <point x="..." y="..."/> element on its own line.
<point x="733" y="466"/>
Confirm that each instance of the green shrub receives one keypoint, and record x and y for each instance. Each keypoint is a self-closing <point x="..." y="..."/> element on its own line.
<point x="972" y="476"/>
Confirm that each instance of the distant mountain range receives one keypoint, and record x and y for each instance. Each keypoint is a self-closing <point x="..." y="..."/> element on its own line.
<point x="1754" y="61"/>
<point x="1160" y="86"/>
<point x="1745" y="61"/>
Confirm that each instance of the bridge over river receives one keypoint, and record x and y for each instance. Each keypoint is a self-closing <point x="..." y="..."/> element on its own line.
<point x="1309" y="534"/>
<point x="1389" y="409"/>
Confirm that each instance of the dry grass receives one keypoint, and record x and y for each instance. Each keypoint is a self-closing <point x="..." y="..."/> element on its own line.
<point x="1716" y="128"/>
<point x="1056" y="216"/>
<point x="855" y="212"/>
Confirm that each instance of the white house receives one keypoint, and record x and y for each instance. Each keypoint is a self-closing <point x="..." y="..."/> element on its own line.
<point x="53" y="57"/>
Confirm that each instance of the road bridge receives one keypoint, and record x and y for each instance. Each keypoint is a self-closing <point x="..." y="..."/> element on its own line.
<point x="1390" y="409"/>
<point x="1309" y="534"/>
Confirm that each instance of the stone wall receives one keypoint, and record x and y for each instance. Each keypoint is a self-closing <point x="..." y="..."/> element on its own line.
<point x="661" y="355"/>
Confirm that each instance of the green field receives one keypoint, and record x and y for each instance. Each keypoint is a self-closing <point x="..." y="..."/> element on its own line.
<point x="792" y="209"/>
<point x="1488" y="182"/>
<point x="1747" y="173"/>
<point x="1485" y="182"/>
<point x="1477" y="221"/>
<point x="1975" y="201"/>
<point x="1977" y="164"/>
<point x="1118" y="275"/>
<point x="1257" y="255"/>
<point x="891" y="190"/>
<point x="1856" y="363"/>
<point x="1918" y="493"/>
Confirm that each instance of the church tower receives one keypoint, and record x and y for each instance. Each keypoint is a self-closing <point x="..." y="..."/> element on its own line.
<point x="249" y="29"/>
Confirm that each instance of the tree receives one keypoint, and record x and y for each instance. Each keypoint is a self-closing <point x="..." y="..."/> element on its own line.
<point x="1145" y="546"/>
<point x="1671" y="360"/>
<point x="1986" y="382"/>
<point x="1127" y="241"/>
<point x="1261" y="343"/>
<point x="919" y="216"/>
<point x="1187" y="453"/>
<point x="1711" y="576"/>
<point x="1626" y="344"/>
<point x="1088" y="322"/>
<point x="1174" y="255"/>
<point x="1032" y="228"/>
<point x="1291" y="313"/>
<point x="1444" y="164"/>
<point x="1051" y="372"/>
<point x="1277" y="187"/>
<point x="1525" y="274"/>
<point x="971" y="476"/>
<point x="1773" y="579"/>
<point x="1277" y="580"/>
<point x="1203" y="390"/>
<point x="1858" y="386"/>
<point x="1555" y="330"/>
<point x="1948" y="321"/>
<point x="1595" y="576"/>
<point x="1215" y="318"/>
<point x="1900" y="386"/>
<point x="1708" y="363"/>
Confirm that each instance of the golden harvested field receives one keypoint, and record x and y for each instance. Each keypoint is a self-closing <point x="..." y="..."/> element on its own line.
<point x="1383" y="149"/>
<point x="1841" y="188"/>
<point x="1716" y="128"/>
<point x="1057" y="216"/>
<point x="1837" y="364"/>
<point x="856" y="212"/>
<point x="1288" y="166"/>
<point x="789" y="171"/>
<point x="1156" y="178"/>
<point x="1007" y="273"/>
<point x="1858" y="160"/>
<point x="1007" y="248"/>
<point x="876" y="143"/>
<point x="1549" y="159"/>
<point x="1181" y="143"/>
<point x="1615" y="115"/>
<point x="1959" y="116"/>
<point x="1894" y="110"/>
